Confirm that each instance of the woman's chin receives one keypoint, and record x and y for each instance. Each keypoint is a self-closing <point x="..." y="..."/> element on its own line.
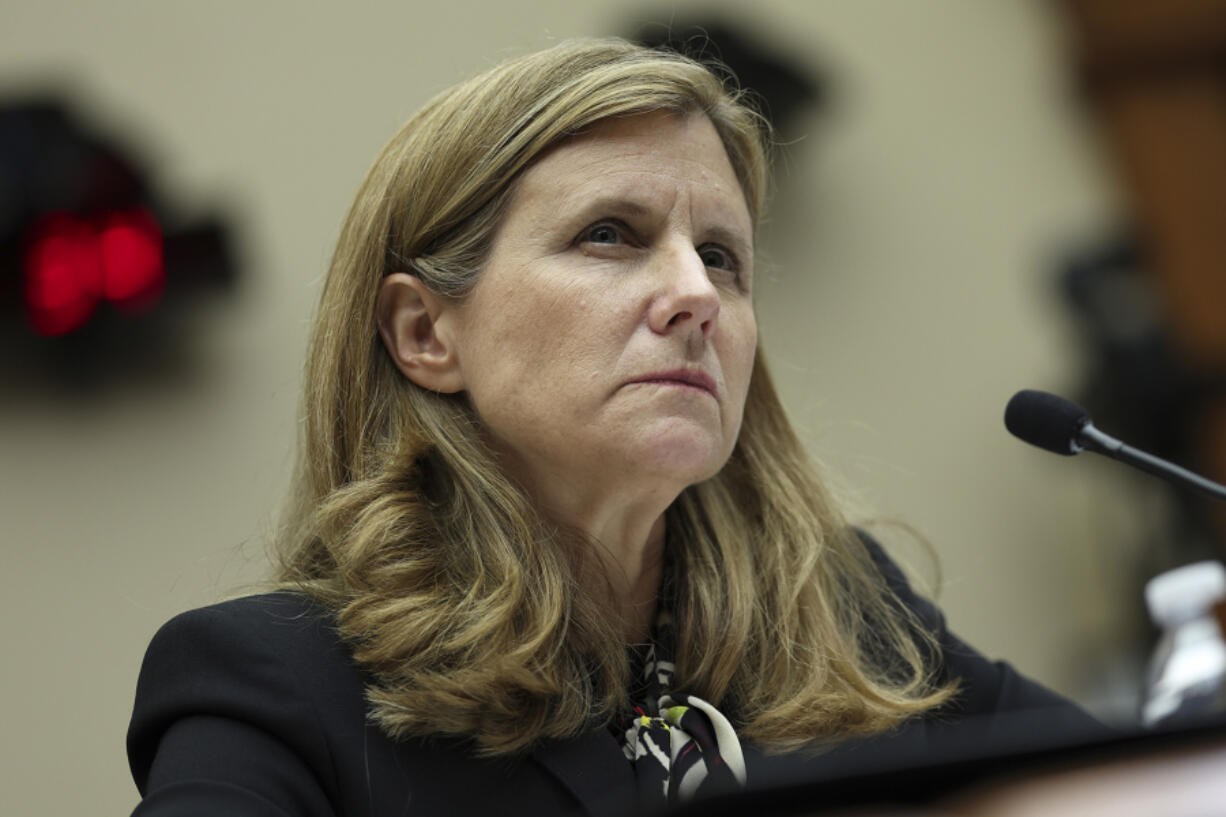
<point x="683" y="456"/>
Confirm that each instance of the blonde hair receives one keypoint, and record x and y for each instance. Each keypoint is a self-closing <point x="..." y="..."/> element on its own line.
<point x="476" y="617"/>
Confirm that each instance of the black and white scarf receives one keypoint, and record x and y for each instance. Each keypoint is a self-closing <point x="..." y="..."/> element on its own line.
<point x="679" y="744"/>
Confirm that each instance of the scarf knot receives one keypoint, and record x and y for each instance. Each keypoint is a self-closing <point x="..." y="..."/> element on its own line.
<point x="679" y="744"/>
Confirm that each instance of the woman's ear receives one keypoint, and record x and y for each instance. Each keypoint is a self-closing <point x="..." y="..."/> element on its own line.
<point x="414" y="323"/>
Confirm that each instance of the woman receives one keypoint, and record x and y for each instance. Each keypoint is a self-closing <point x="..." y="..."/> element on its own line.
<point x="554" y="546"/>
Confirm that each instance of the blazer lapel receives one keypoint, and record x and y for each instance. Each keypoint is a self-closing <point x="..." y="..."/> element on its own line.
<point x="594" y="769"/>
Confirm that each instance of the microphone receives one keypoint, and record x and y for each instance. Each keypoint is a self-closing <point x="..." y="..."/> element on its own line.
<point x="1063" y="427"/>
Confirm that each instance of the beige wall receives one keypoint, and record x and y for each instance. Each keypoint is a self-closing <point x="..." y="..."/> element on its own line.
<point x="910" y="246"/>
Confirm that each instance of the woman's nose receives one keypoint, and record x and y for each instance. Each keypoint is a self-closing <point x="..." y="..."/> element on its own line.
<point x="686" y="299"/>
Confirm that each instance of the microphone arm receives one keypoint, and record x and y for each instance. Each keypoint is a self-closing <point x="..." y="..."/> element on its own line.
<point x="1062" y="427"/>
<point x="1090" y="438"/>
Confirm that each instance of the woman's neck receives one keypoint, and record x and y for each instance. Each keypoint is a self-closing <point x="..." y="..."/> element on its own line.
<point x="626" y="528"/>
<point x="640" y="595"/>
<point x="629" y="551"/>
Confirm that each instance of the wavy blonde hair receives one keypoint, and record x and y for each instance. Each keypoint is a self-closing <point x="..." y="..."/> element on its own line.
<point x="475" y="616"/>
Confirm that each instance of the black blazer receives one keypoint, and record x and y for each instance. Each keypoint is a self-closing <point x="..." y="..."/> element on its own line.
<point x="255" y="707"/>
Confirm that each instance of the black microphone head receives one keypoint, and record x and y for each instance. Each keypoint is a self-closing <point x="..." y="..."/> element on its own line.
<point x="1046" y="420"/>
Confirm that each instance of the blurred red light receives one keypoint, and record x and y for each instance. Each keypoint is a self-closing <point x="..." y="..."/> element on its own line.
<point x="63" y="274"/>
<point x="72" y="263"/>
<point x="132" y="270"/>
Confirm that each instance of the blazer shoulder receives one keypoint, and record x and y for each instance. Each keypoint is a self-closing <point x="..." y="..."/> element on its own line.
<point x="258" y="701"/>
<point x="259" y="610"/>
<point x="927" y="614"/>
<point x="990" y="693"/>
<point x="282" y="627"/>
<point x="273" y="662"/>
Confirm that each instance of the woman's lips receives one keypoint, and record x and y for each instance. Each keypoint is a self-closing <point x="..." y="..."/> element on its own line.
<point x="687" y="378"/>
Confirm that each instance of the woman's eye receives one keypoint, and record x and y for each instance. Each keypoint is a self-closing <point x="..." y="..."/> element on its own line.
<point x="717" y="258"/>
<point x="603" y="234"/>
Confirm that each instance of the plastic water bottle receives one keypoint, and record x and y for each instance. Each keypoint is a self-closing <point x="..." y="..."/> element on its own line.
<point x="1187" y="675"/>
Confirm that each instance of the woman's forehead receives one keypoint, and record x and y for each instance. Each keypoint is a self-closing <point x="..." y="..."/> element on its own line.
<point x="638" y="160"/>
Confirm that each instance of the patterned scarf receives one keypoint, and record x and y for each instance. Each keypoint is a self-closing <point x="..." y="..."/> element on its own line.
<point x="679" y="745"/>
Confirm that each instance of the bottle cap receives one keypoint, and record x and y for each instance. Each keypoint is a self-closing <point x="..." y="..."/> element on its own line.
<point x="1186" y="592"/>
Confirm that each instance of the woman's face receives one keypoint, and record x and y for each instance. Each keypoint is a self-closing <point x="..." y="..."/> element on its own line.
<point x="610" y="339"/>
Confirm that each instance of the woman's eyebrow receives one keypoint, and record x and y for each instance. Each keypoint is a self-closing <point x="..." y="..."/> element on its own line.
<point x="610" y="203"/>
<point x="730" y="238"/>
